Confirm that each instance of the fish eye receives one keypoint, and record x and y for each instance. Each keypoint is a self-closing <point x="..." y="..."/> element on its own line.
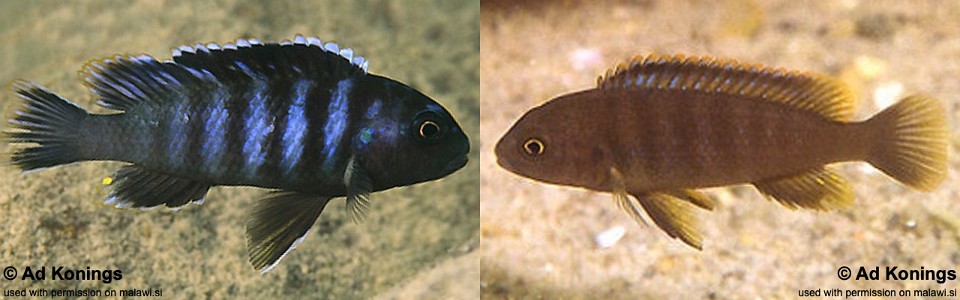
<point x="427" y="127"/>
<point x="533" y="147"/>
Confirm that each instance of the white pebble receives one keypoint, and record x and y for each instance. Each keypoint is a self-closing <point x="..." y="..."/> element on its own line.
<point x="610" y="237"/>
<point x="911" y="223"/>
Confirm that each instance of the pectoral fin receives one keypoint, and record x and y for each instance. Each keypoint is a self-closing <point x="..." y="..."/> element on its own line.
<point x="278" y="224"/>
<point x="358" y="190"/>
<point x="818" y="189"/>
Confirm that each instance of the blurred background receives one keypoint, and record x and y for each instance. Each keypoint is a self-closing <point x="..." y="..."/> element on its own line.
<point x="541" y="241"/>
<point x="417" y="242"/>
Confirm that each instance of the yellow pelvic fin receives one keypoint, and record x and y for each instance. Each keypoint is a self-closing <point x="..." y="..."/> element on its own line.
<point x="673" y="215"/>
<point x="623" y="200"/>
<point x="809" y="92"/>
<point x="672" y="211"/>
<point x="818" y="189"/>
<point x="912" y="145"/>
<point x="694" y="197"/>
<point x="629" y="206"/>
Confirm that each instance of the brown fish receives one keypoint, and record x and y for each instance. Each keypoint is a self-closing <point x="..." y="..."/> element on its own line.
<point x="660" y="127"/>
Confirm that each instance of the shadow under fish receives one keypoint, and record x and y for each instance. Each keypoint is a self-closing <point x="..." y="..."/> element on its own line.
<point x="660" y="127"/>
<point x="302" y="117"/>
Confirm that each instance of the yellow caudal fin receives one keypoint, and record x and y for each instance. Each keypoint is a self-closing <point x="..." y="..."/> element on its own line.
<point x="912" y="146"/>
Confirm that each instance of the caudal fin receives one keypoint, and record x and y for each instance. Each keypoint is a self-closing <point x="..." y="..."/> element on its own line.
<point x="913" y="142"/>
<point x="49" y="122"/>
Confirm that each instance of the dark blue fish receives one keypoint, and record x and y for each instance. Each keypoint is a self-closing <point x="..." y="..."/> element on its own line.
<point x="301" y="117"/>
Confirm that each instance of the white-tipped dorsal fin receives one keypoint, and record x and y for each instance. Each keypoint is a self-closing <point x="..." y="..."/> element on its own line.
<point x="298" y="40"/>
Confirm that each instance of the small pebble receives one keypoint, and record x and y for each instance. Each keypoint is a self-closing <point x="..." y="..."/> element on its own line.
<point x="911" y="223"/>
<point x="610" y="237"/>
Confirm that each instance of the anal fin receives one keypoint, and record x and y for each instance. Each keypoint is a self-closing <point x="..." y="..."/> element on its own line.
<point x="278" y="224"/>
<point x="819" y="189"/>
<point x="136" y="187"/>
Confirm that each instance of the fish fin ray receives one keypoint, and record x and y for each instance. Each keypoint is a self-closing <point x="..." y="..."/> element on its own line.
<point x="630" y="207"/>
<point x="673" y="215"/>
<point x="302" y="57"/>
<point x="622" y="198"/>
<point x="278" y="223"/>
<point x="694" y="197"/>
<point x="913" y="141"/>
<point x="135" y="187"/>
<point x="671" y="211"/>
<point x="809" y="92"/>
<point x="818" y="189"/>
<point x="123" y="82"/>
<point x="358" y="190"/>
<point x="49" y="121"/>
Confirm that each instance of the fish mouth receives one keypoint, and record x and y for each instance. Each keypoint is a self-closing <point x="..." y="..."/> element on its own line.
<point x="502" y="163"/>
<point x="505" y="164"/>
<point x="501" y="152"/>
<point x="457" y="163"/>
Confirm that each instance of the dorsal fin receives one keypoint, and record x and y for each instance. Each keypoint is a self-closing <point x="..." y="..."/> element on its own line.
<point x="122" y="82"/>
<point x="804" y="91"/>
<point x="187" y="55"/>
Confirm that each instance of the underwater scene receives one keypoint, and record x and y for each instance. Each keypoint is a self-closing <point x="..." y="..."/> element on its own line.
<point x="396" y="226"/>
<point x="585" y="195"/>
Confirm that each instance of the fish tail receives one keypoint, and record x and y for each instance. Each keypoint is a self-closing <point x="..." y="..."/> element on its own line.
<point x="912" y="144"/>
<point x="48" y="121"/>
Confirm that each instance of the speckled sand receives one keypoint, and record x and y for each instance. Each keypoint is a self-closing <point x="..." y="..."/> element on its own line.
<point x="418" y="242"/>
<point x="537" y="241"/>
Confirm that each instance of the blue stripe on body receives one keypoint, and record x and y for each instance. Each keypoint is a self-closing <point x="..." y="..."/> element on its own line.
<point x="296" y="127"/>
<point x="214" y="135"/>
<point x="177" y="129"/>
<point x="336" y="123"/>
<point x="257" y="126"/>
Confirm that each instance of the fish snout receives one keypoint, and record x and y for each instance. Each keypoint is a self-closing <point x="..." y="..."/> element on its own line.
<point x="457" y="163"/>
